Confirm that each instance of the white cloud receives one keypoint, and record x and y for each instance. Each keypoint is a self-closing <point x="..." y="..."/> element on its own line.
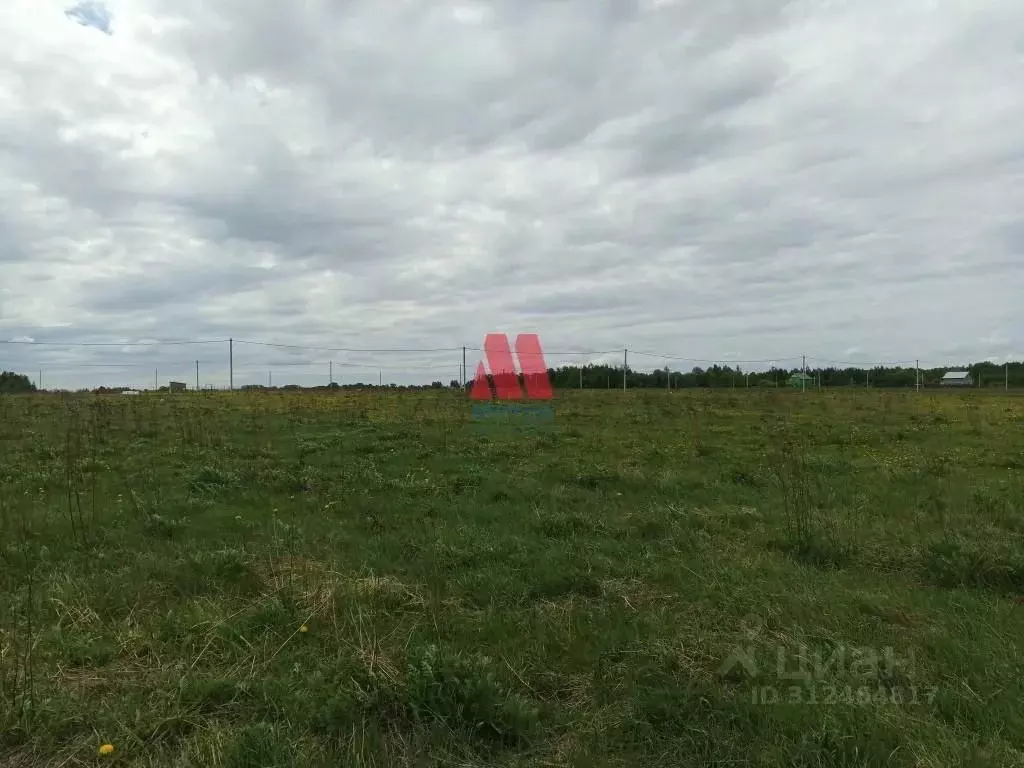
<point x="748" y="180"/>
<point x="91" y="14"/>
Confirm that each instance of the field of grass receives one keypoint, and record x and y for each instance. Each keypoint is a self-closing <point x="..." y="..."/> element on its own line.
<point x="686" y="578"/>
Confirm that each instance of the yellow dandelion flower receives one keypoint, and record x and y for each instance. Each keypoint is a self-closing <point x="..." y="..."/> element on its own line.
<point x="106" y="749"/>
<point x="303" y="628"/>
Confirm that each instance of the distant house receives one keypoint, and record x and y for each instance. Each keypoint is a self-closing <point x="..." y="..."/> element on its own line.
<point x="957" y="379"/>
<point x="177" y="386"/>
<point x="801" y="379"/>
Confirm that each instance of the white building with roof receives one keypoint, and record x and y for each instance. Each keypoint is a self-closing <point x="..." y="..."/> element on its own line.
<point x="957" y="379"/>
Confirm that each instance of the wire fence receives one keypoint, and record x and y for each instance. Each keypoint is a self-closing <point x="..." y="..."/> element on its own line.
<point x="227" y="364"/>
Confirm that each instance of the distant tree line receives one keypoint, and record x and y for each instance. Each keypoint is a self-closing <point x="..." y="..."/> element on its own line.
<point x="610" y="377"/>
<point x="717" y="376"/>
<point x="721" y="376"/>
<point x="14" y="383"/>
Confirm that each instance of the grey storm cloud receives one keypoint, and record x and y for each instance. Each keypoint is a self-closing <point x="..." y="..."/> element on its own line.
<point x="735" y="180"/>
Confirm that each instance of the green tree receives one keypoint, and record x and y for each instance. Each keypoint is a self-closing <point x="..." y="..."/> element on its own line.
<point x="15" y="383"/>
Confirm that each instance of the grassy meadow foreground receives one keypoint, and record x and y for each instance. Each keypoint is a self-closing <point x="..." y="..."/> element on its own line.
<point x="686" y="578"/>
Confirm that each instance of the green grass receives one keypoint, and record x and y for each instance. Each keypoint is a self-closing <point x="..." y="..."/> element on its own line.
<point x="481" y="595"/>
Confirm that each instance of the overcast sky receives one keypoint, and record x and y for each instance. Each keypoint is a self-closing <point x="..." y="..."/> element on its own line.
<point x="727" y="179"/>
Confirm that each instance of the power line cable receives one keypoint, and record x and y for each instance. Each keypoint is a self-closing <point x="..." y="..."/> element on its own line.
<point x="112" y="343"/>
<point x="150" y="365"/>
<point x="718" y="360"/>
<point x="861" y="363"/>
<point x="344" y="349"/>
